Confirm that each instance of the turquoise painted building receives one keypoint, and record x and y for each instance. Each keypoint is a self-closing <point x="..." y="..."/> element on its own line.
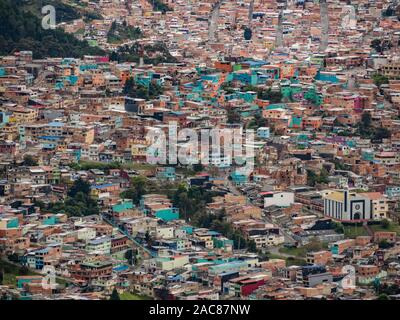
<point x="327" y="77"/>
<point x="368" y="155"/>
<point x="50" y="221"/>
<point x="85" y="67"/>
<point x="123" y="206"/>
<point x="167" y="214"/>
<point x="166" y="173"/>
<point x="239" y="178"/>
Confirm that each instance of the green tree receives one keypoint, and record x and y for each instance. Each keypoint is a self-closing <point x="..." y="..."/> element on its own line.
<point x="247" y="33"/>
<point x="21" y="30"/>
<point x="115" y="295"/>
<point x="130" y="255"/>
<point x="384" y="244"/>
<point x="385" y="224"/>
<point x="383" y="296"/>
<point x="366" y="120"/>
<point x="129" y="87"/>
<point x="137" y="189"/>
<point x="233" y="116"/>
<point x="198" y="167"/>
<point x="29" y="161"/>
<point x="251" y="246"/>
<point x="381" y="133"/>
<point x="79" y="186"/>
<point x="380" y="79"/>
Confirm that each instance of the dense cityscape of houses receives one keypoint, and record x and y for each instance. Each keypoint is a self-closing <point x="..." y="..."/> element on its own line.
<point x="318" y="216"/>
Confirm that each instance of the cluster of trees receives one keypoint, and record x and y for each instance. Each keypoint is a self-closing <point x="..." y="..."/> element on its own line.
<point x="247" y="34"/>
<point x="29" y="161"/>
<point x="379" y="79"/>
<point x="64" y="12"/>
<point x="152" y="54"/>
<point x="367" y="131"/>
<point x="191" y="201"/>
<point x="88" y="165"/>
<point x="131" y="255"/>
<point x="265" y="93"/>
<point x="337" y="226"/>
<point x="118" y="33"/>
<point x="78" y="203"/>
<point x="158" y="5"/>
<point x="134" y="90"/>
<point x="313" y="178"/>
<point x="381" y="45"/>
<point x="139" y="187"/>
<point x="257" y="122"/>
<point x="9" y="268"/>
<point x="115" y="295"/>
<point x="391" y="11"/>
<point x="262" y="93"/>
<point x="217" y="222"/>
<point x="233" y="116"/>
<point x="22" y="30"/>
<point x="385" y="290"/>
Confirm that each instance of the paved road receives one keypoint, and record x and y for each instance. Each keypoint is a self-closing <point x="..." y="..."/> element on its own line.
<point x="212" y="28"/>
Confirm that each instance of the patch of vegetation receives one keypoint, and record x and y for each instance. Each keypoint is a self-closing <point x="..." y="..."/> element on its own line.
<point x="133" y="296"/>
<point x="295" y="262"/>
<point x="79" y="203"/>
<point x="9" y="272"/>
<point x="87" y="165"/>
<point x="367" y="131"/>
<point x="233" y="116"/>
<point x="354" y="231"/>
<point x="380" y="79"/>
<point x="29" y="161"/>
<point x="134" y="90"/>
<point x="386" y="225"/>
<point x="121" y="32"/>
<point x="313" y="178"/>
<point x="22" y="30"/>
<point x="265" y="93"/>
<point x="381" y="45"/>
<point x="152" y="54"/>
<point x="158" y="5"/>
<point x="257" y="122"/>
<point x="314" y="245"/>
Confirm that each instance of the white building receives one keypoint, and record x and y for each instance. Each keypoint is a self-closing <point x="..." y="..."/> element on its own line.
<point x="280" y="199"/>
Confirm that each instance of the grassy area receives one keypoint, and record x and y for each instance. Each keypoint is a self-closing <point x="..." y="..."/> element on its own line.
<point x="133" y="296"/>
<point x="87" y="165"/>
<point x="289" y="260"/>
<point x="138" y="166"/>
<point x="11" y="272"/>
<point x="302" y="251"/>
<point x="353" y="231"/>
<point x="295" y="262"/>
<point x="392" y="227"/>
